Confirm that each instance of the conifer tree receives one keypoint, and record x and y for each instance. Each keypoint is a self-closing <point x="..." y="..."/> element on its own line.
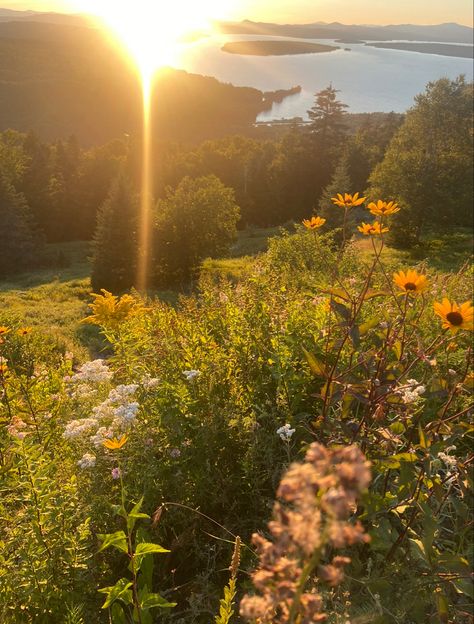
<point x="327" y="118"/>
<point x="115" y="250"/>
<point x="19" y="245"/>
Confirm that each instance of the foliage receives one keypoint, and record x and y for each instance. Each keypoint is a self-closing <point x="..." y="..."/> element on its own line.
<point x="19" y="244"/>
<point x="428" y="164"/>
<point x="196" y="220"/>
<point x="202" y="406"/>
<point x="115" y="243"/>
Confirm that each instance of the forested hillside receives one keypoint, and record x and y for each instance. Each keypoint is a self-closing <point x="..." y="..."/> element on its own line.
<point x="59" y="79"/>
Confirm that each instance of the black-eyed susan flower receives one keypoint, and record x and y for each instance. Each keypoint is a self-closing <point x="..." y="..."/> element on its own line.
<point x="410" y="282"/>
<point x="454" y="316"/>
<point x="115" y="443"/>
<point x="4" y="330"/>
<point x="382" y="208"/>
<point x="348" y="201"/>
<point x="372" y="229"/>
<point x="24" y="331"/>
<point x="314" y="223"/>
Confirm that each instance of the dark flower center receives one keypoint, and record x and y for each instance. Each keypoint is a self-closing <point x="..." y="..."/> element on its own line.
<point x="410" y="286"/>
<point x="455" y="318"/>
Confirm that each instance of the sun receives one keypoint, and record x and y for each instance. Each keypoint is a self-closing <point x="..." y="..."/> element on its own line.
<point x="154" y="30"/>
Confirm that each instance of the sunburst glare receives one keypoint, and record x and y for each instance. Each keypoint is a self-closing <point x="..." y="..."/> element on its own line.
<point x="153" y="34"/>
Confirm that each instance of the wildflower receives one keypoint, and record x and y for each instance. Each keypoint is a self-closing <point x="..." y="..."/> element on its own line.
<point x="4" y="330"/>
<point x="314" y="223"/>
<point x="191" y="374"/>
<point x="175" y="453"/>
<point x="24" y="331"/>
<point x="115" y="443"/>
<point x="347" y="201"/>
<point x="454" y="316"/>
<point x="87" y="461"/>
<point x="96" y="371"/>
<point x="372" y="228"/>
<point x="410" y="282"/>
<point x="77" y="428"/>
<point x="3" y="365"/>
<point x="285" y="432"/>
<point x="17" y="427"/>
<point x="110" y="311"/>
<point x="116" y="474"/>
<point x="317" y="498"/>
<point x="411" y="391"/>
<point x="150" y="383"/>
<point x="381" y="208"/>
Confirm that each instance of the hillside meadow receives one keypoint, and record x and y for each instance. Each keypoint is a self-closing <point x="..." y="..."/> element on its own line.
<point x="146" y="440"/>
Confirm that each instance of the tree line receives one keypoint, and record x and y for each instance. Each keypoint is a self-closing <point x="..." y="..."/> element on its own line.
<point x="57" y="192"/>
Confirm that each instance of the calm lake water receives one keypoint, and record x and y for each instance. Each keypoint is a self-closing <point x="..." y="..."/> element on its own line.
<point x="369" y="79"/>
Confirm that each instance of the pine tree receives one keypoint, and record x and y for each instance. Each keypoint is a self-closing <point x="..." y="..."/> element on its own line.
<point x="115" y="247"/>
<point x="19" y="245"/>
<point x="327" y="118"/>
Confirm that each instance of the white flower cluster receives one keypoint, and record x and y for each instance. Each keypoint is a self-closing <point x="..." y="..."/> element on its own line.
<point x="150" y="383"/>
<point x="449" y="461"/>
<point x="87" y="461"/>
<point x="411" y="391"/>
<point x="96" y="371"/>
<point x="285" y="432"/>
<point x="191" y="374"/>
<point x="112" y="417"/>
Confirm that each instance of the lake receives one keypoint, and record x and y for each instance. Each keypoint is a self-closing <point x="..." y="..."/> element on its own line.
<point x="369" y="79"/>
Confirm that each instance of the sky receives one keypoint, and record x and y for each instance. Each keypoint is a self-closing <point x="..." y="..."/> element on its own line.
<point x="304" y="11"/>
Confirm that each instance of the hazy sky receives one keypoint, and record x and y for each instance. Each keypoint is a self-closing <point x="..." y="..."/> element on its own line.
<point x="297" y="11"/>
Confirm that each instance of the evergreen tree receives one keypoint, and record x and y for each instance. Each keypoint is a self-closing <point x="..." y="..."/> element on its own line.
<point x="340" y="183"/>
<point x="115" y="247"/>
<point x="428" y="165"/>
<point x="19" y="246"/>
<point x="327" y="118"/>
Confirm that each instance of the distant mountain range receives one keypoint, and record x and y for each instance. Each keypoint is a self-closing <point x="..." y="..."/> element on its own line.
<point x="447" y="33"/>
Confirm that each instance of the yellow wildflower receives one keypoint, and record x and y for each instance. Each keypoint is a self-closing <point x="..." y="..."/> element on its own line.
<point x="348" y="201"/>
<point x="410" y="282"/>
<point x="454" y="316"/>
<point x="24" y="331"/>
<point x="372" y="228"/>
<point x="382" y="209"/>
<point x="110" y="311"/>
<point x="4" y="330"/>
<point x="314" y="223"/>
<point x="115" y="443"/>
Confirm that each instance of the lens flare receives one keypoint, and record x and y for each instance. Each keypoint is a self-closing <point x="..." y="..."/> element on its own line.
<point x="153" y="32"/>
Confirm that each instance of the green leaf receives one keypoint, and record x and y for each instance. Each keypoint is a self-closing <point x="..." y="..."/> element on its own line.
<point x="120" y="591"/>
<point x="152" y="601"/>
<point x="147" y="548"/>
<point x="135" y="514"/>
<point x="117" y="613"/>
<point x="370" y="324"/>
<point x="442" y="606"/>
<point x="117" y="540"/>
<point x="464" y="586"/>
<point x="397" y="428"/>
<point x="371" y="293"/>
<point x="316" y="366"/>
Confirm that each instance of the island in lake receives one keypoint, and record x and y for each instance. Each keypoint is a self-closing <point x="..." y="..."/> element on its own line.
<point x="276" y="48"/>
<point x="444" y="49"/>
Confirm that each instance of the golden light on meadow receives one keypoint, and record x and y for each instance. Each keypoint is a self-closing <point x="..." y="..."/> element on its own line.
<point x="153" y="33"/>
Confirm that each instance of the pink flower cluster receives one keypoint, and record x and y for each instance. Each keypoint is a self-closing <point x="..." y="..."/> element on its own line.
<point x="318" y="497"/>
